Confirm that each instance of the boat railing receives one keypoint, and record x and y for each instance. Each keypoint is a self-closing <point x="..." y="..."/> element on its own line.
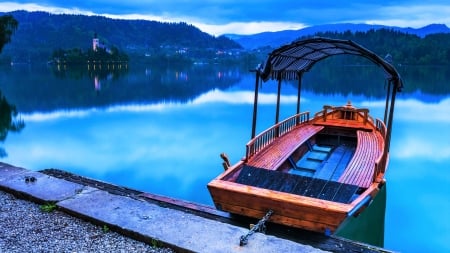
<point x="380" y="163"/>
<point x="381" y="127"/>
<point x="268" y="136"/>
<point x="345" y="112"/>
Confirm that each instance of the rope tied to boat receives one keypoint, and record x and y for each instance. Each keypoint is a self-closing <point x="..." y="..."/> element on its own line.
<point x="259" y="227"/>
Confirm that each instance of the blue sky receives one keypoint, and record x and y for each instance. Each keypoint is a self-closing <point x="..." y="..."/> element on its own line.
<point x="251" y="16"/>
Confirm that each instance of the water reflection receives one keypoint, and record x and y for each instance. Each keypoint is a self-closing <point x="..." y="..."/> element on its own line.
<point x="95" y="72"/>
<point x="9" y="122"/>
<point x="161" y="130"/>
<point x="416" y="215"/>
<point x="38" y="89"/>
<point x="35" y="90"/>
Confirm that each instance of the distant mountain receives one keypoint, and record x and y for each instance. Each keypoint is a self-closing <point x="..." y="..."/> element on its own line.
<point x="275" y="39"/>
<point x="427" y="30"/>
<point x="39" y="33"/>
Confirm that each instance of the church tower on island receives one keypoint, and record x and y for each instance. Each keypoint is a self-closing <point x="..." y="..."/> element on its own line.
<point x="95" y="43"/>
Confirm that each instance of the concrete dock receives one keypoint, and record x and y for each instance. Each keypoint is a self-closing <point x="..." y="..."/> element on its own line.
<point x="149" y="221"/>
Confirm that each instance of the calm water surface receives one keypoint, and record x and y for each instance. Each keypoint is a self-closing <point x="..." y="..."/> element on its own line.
<point x="161" y="131"/>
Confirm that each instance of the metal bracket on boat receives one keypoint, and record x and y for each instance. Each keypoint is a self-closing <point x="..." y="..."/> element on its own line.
<point x="259" y="227"/>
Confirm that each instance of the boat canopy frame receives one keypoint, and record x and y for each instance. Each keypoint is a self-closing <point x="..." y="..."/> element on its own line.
<point x="291" y="61"/>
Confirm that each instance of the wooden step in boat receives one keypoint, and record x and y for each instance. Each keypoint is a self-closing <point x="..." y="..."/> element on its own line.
<point x="312" y="171"/>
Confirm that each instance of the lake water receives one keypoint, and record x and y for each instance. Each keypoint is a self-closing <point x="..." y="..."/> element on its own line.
<point x="162" y="130"/>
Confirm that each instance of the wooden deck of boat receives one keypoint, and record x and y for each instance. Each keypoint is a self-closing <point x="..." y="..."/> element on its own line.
<point x="273" y="155"/>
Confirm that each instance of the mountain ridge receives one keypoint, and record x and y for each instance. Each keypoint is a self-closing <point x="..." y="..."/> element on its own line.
<point x="40" y="33"/>
<point x="276" y="39"/>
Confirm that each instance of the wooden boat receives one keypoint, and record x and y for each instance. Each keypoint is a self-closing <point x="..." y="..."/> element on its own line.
<point x="312" y="171"/>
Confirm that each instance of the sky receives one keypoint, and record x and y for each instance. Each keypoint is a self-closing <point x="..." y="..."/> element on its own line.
<point x="218" y="17"/>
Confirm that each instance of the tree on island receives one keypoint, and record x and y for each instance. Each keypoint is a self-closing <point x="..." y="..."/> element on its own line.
<point x="77" y="56"/>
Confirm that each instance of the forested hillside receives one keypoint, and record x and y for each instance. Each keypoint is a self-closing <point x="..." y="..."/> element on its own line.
<point x="276" y="39"/>
<point x="408" y="49"/>
<point x="40" y="33"/>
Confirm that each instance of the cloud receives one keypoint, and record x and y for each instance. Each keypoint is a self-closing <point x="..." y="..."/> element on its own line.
<point x="423" y="112"/>
<point x="61" y="114"/>
<point x="425" y="147"/>
<point x="248" y="17"/>
<point x="416" y="15"/>
<point x="45" y="116"/>
<point x="214" y="96"/>
<point x="420" y="128"/>
<point x="241" y="97"/>
<point x="249" y="28"/>
<point x="12" y="6"/>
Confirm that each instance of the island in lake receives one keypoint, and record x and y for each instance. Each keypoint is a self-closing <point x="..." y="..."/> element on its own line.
<point x="98" y="54"/>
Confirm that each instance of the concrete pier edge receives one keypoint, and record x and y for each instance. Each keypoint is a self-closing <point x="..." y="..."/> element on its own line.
<point x="157" y="225"/>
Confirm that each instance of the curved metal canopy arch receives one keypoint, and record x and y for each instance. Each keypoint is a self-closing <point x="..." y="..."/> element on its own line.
<point x="289" y="62"/>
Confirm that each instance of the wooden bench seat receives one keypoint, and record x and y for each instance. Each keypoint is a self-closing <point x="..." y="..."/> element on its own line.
<point x="361" y="168"/>
<point x="272" y="156"/>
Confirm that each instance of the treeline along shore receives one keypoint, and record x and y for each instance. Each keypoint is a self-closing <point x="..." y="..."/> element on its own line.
<point x="42" y="36"/>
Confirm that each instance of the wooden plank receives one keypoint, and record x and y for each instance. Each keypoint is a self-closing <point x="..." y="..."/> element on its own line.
<point x="317" y="155"/>
<point x="345" y="193"/>
<point x="249" y="176"/>
<point x="290" y="183"/>
<point x="333" y="168"/>
<point x="345" y="159"/>
<point x="283" y="179"/>
<point x="361" y="168"/>
<point x="302" y="185"/>
<point x="308" y="164"/>
<point x="273" y="155"/>
<point x="325" y="149"/>
<point x="330" y="191"/>
<point x="315" y="188"/>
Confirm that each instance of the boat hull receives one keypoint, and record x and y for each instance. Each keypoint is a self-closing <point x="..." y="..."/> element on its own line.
<point x="288" y="209"/>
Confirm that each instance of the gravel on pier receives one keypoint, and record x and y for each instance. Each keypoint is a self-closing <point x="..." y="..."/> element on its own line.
<point x="24" y="227"/>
